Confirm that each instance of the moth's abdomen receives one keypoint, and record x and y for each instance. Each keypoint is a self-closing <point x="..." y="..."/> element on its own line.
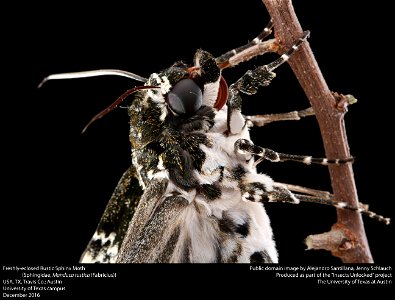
<point x="241" y="233"/>
<point x="230" y="227"/>
<point x="180" y="231"/>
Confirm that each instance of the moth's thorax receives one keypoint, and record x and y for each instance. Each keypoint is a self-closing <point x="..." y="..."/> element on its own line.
<point x="193" y="156"/>
<point x="207" y="178"/>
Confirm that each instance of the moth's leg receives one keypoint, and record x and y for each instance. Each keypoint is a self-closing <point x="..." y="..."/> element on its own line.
<point x="343" y="205"/>
<point x="262" y="120"/>
<point x="258" y="192"/>
<point x="281" y="193"/>
<point x="159" y="236"/>
<point x="327" y="198"/>
<point x="309" y="191"/>
<point x="108" y="237"/>
<point x="240" y="54"/>
<point x="243" y="146"/>
<point x="249" y="84"/>
<point x="324" y="195"/>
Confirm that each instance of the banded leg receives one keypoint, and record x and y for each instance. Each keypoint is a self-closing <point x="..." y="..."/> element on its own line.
<point x="324" y="197"/>
<point x="363" y="209"/>
<point x="258" y="192"/>
<point x="249" y="84"/>
<point x="244" y="146"/>
<point x="231" y="58"/>
<point x="283" y="193"/>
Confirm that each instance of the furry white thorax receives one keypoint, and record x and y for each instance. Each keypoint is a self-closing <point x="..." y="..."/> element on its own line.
<point x="210" y="93"/>
<point x="197" y="220"/>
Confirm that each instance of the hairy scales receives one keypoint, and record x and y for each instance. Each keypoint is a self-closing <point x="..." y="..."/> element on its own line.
<point x="194" y="159"/>
<point x="225" y="228"/>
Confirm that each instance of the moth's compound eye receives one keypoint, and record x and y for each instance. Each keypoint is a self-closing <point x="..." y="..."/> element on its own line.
<point x="185" y="98"/>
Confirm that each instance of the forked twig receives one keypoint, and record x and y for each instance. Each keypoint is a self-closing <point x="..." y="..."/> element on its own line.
<point x="349" y="226"/>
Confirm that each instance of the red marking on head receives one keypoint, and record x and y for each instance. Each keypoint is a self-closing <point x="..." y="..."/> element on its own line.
<point x="223" y="93"/>
<point x="193" y="72"/>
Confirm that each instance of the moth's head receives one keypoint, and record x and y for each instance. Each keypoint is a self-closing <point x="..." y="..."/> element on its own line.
<point x="180" y="90"/>
<point x="185" y="89"/>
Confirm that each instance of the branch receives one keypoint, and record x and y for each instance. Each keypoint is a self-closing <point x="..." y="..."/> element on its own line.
<point x="330" y="117"/>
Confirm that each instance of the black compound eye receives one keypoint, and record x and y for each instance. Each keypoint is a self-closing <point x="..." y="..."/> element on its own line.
<point x="185" y="98"/>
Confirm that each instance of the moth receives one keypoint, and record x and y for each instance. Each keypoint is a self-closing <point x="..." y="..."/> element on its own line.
<point x="193" y="193"/>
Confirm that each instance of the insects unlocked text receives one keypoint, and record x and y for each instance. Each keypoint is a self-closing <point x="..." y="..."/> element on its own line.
<point x="348" y="275"/>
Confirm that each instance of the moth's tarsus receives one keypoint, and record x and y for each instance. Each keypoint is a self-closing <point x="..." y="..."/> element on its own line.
<point x="229" y="59"/>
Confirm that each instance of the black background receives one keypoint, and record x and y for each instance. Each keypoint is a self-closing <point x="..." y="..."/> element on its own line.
<point x="57" y="181"/>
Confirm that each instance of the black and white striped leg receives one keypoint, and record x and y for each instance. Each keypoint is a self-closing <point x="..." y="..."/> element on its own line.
<point x="243" y="146"/>
<point x="257" y="192"/>
<point x="285" y="56"/>
<point x="324" y="197"/>
<point x="224" y="60"/>
<point x="363" y="208"/>
<point x="284" y="195"/>
<point x="249" y="84"/>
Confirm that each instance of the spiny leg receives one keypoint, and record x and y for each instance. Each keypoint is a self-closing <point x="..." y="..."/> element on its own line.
<point x="329" y="199"/>
<point x="344" y="205"/>
<point x="296" y="115"/>
<point x="230" y="58"/>
<point x="282" y="193"/>
<point x="280" y="196"/>
<point x="249" y="84"/>
<point x="243" y="146"/>
<point x="262" y="120"/>
<point x="309" y="191"/>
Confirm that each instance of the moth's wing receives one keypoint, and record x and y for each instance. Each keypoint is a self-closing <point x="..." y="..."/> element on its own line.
<point x="109" y="235"/>
<point x="156" y="238"/>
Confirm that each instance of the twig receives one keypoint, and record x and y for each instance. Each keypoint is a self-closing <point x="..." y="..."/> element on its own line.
<point x="331" y="122"/>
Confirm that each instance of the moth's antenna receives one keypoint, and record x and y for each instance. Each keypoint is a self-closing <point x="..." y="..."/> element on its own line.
<point x="101" y="72"/>
<point x="117" y="102"/>
<point x="94" y="73"/>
